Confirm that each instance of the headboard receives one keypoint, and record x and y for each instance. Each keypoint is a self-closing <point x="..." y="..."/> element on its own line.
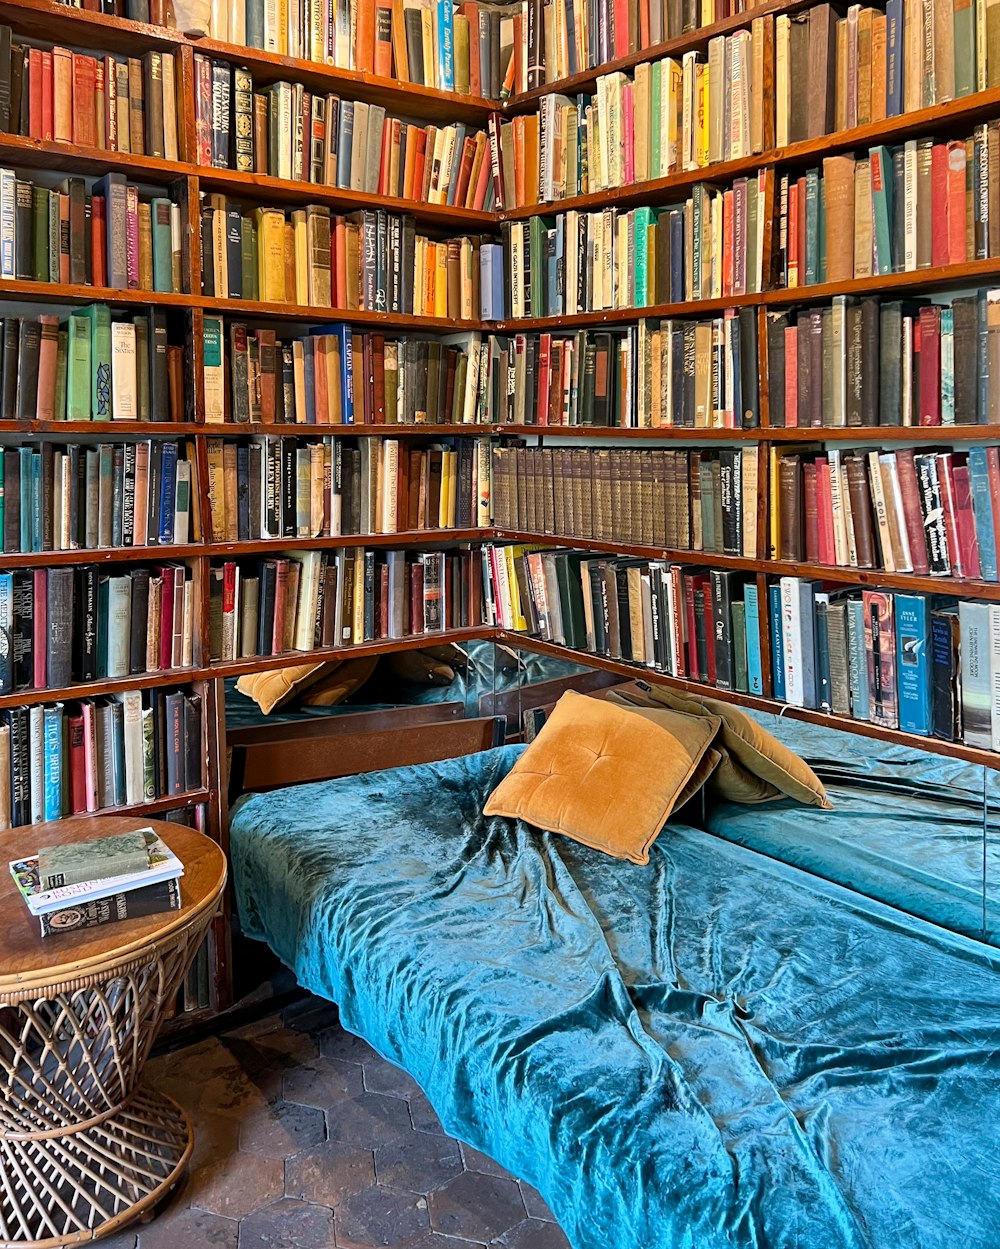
<point x="293" y="754"/>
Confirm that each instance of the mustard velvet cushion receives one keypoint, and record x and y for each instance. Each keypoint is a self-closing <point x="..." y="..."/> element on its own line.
<point x="602" y="775"/>
<point x="728" y="780"/>
<point x="344" y="680"/>
<point x="753" y="747"/>
<point x="270" y="690"/>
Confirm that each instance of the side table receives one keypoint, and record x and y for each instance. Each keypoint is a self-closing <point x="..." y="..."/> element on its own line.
<point x="84" y="1148"/>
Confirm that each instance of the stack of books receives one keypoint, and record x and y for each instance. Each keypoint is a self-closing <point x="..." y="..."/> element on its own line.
<point x="89" y="883"/>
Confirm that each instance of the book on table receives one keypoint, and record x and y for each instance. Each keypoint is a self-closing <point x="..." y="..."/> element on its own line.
<point x="99" y="881"/>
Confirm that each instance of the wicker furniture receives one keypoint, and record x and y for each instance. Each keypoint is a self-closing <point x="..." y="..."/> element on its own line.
<point x="84" y="1148"/>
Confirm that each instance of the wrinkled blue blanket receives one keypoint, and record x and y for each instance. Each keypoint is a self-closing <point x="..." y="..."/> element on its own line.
<point x="715" y="1050"/>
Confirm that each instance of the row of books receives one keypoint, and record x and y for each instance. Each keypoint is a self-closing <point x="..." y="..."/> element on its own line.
<point x="371" y="260"/>
<point x="336" y="376"/>
<point x="98" y="881"/>
<point x="862" y="362"/>
<point x="288" y="132"/>
<point x="67" y="625"/>
<point x="918" y="662"/>
<point x="433" y="43"/>
<point x="94" y="364"/>
<point x="917" y="206"/>
<point x="668" y="115"/>
<point x="682" y="500"/>
<point x="305" y="600"/>
<point x="110" y="237"/>
<point x="715" y="245"/>
<point x="119" y="104"/>
<point x="71" y="497"/>
<point x="289" y="488"/>
<point x="74" y="757"/>
<point x="930" y="512"/>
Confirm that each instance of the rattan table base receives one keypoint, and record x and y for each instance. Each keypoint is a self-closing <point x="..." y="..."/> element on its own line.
<point x="65" y="1190"/>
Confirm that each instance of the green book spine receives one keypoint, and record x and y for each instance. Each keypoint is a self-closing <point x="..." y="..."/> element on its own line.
<point x="536" y="247"/>
<point x="643" y="220"/>
<point x="78" y="388"/>
<point x="55" y="269"/>
<point x="248" y="256"/>
<point x="40" y="234"/>
<point x="655" y="88"/>
<point x="163" y="265"/>
<point x="148" y="755"/>
<point x="696" y="211"/>
<point x="62" y="352"/>
<point x="99" y="316"/>
<point x="812" y="227"/>
<point x="965" y="47"/>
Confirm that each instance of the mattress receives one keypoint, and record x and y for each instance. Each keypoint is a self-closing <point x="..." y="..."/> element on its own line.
<point x="717" y="1050"/>
<point x="915" y="830"/>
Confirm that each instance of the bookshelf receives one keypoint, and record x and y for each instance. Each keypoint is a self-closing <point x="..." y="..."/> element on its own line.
<point x="188" y="182"/>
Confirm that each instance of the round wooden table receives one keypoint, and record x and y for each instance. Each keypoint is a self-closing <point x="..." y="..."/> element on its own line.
<point x="84" y="1148"/>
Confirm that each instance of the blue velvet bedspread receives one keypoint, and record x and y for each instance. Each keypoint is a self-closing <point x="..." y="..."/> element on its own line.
<point x="907" y="827"/>
<point x="714" y="1050"/>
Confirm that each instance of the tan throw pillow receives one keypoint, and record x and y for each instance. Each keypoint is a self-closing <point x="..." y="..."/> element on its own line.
<point x="270" y="690"/>
<point x="728" y="780"/>
<point x="752" y="746"/>
<point x="333" y="688"/>
<point x="601" y="775"/>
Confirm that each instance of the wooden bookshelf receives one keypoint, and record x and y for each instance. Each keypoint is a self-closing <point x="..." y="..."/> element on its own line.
<point x="47" y="23"/>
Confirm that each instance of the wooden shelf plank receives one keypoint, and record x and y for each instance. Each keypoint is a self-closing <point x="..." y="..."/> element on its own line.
<point x="66" y="24"/>
<point x="934" y="745"/>
<point x="398" y="98"/>
<point x="103" y="555"/>
<point x="383" y="646"/>
<point x="231" y="429"/>
<point x="408" y="537"/>
<point x="263" y="187"/>
<point x="127" y="430"/>
<point x="107" y="685"/>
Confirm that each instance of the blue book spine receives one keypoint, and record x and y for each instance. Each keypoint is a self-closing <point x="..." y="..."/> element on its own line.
<point x="677" y="257"/>
<point x="777" y="642"/>
<point x="52" y="736"/>
<point x="456" y="162"/>
<point x="24" y="455"/>
<point x="486" y="282"/>
<point x="858" y="660"/>
<point x="823" y="653"/>
<point x="446" y="46"/>
<point x="914" y="684"/>
<point x="894" y="57"/>
<point x="560" y="286"/>
<point x="751" y="606"/>
<point x="168" y="491"/>
<point x="979" y="479"/>
<point x="36" y="503"/>
<point x="345" y="141"/>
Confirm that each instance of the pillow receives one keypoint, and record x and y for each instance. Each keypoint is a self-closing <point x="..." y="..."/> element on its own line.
<point x="418" y="667"/>
<point x="449" y="653"/>
<point x="272" y="689"/>
<point x="333" y="687"/>
<point x="728" y="780"/>
<point x="752" y="746"/>
<point x="603" y="776"/>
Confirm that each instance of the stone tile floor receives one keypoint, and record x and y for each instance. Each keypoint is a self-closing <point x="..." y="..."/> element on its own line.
<point x="307" y="1139"/>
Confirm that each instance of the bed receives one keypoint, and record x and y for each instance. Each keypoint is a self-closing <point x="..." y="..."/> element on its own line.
<point x="716" y="1050"/>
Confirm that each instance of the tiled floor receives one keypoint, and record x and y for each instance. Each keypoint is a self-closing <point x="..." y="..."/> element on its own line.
<point x="306" y="1139"/>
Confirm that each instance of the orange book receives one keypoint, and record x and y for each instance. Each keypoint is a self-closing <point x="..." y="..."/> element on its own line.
<point x="531" y="158"/>
<point x="400" y="68"/>
<point x="419" y="156"/>
<point x="440" y="308"/>
<point x="382" y="60"/>
<point x="644" y="23"/>
<point x="478" y="155"/>
<point x="409" y="161"/>
<point x="394" y="130"/>
<point x="519" y="156"/>
<point x="364" y="36"/>
<point x="320" y="383"/>
<point x="430" y="278"/>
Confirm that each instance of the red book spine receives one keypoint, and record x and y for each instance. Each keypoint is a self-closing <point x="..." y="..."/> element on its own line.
<point x="364" y="44"/>
<point x="416" y="598"/>
<point x="800" y="228"/>
<point x="791" y="376"/>
<point x="792" y="233"/>
<point x="471" y="11"/>
<point x="48" y="96"/>
<point x="382" y="54"/>
<point x="77" y="765"/>
<point x="544" y="379"/>
<point x="939" y="204"/>
<point x="956" y="203"/>
<point x="709" y="630"/>
<point x="98" y="240"/>
<point x="84" y="101"/>
<point x="930" y="366"/>
<point x="340" y="253"/>
<point x="485" y="173"/>
<point x="824" y="512"/>
<point x="810" y="508"/>
<point x="203" y="109"/>
<point x="40" y="629"/>
<point x="35" y="93"/>
<point x="89" y="757"/>
<point x="727" y="244"/>
<point x="676" y="594"/>
<point x="965" y="522"/>
<point x="946" y="480"/>
<point x="910" y="492"/>
<point x="166" y="617"/>
<point x="644" y="23"/>
<point x="418" y="162"/>
<point x="621" y="28"/>
<point x="465" y="170"/>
